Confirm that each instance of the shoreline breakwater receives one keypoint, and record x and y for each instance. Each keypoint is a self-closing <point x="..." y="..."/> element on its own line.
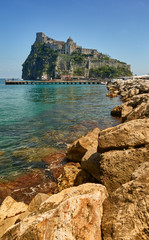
<point x="103" y="188"/>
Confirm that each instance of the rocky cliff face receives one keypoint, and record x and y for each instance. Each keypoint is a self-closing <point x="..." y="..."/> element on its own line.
<point x="43" y="60"/>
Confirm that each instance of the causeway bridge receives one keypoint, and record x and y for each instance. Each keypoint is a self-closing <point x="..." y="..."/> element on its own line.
<point x="52" y="82"/>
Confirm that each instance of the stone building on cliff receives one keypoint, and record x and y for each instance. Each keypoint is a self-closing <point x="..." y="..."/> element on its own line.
<point x="63" y="47"/>
<point x="52" y="58"/>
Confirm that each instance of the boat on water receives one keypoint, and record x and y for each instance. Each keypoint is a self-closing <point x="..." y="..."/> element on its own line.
<point x="103" y="83"/>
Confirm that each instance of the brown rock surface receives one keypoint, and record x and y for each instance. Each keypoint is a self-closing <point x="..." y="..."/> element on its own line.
<point x="117" y="166"/>
<point x="76" y="151"/>
<point x="74" y="213"/>
<point x="10" y="211"/>
<point x="90" y="163"/>
<point x="73" y="175"/>
<point x="134" y="133"/>
<point x="126" y="213"/>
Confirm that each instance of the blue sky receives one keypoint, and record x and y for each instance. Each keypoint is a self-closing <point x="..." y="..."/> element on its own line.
<point x="119" y="28"/>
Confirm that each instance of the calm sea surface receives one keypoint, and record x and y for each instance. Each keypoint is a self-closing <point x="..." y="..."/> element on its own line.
<point x="36" y="120"/>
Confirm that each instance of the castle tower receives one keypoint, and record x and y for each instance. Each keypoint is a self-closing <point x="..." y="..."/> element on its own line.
<point x="40" y="37"/>
<point x="70" y="46"/>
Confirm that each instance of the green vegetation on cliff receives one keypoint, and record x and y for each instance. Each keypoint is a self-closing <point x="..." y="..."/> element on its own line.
<point x="109" y="72"/>
<point x="41" y="59"/>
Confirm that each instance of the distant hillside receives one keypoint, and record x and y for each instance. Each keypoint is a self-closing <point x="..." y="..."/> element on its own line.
<point x="53" y="59"/>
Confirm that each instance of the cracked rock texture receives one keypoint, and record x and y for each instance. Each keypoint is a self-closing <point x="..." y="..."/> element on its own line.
<point x="74" y="213"/>
<point x="126" y="211"/>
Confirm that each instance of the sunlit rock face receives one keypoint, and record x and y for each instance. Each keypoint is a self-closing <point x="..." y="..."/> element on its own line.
<point x="74" y="213"/>
<point x="126" y="211"/>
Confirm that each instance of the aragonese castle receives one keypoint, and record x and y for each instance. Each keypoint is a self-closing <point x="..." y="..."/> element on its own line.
<point x="50" y="58"/>
<point x="63" y="47"/>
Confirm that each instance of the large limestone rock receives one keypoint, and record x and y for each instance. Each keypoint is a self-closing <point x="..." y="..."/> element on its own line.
<point x="10" y="212"/>
<point x="117" y="166"/>
<point x="126" y="214"/>
<point x="134" y="133"/>
<point x="76" y="151"/>
<point x="74" y="213"/>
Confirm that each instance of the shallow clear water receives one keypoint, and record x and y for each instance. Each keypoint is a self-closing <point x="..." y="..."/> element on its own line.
<point x="33" y="117"/>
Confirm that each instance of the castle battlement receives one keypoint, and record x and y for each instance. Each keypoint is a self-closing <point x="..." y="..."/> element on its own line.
<point x="63" y="47"/>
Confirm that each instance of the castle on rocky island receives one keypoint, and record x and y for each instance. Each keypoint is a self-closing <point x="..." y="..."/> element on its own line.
<point x="63" y="47"/>
<point x="50" y="58"/>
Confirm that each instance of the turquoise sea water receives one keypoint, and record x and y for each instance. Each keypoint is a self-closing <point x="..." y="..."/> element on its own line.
<point x="36" y="117"/>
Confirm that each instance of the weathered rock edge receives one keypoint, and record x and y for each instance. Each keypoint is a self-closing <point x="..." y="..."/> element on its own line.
<point x="74" y="213"/>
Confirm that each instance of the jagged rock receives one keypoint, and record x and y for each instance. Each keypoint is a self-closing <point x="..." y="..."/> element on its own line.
<point x="134" y="133"/>
<point x="10" y="212"/>
<point x="74" y="213"/>
<point x="136" y="108"/>
<point x="126" y="211"/>
<point x="73" y="175"/>
<point x="117" y="166"/>
<point x="128" y="88"/>
<point x="76" y="151"/>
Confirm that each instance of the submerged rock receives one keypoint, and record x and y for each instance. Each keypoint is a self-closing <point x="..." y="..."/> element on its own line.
<point x="55" y="163"/>
<point x="74" y="213"/>
<point x="2" y="153"/>
<point x="25" y="187"/>
<point x="33" y="154"/>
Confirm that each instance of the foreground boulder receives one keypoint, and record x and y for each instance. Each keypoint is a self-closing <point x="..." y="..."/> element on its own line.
<point x="76" y="151"/>
<point x="74" y="213"/>
<point x="134" y="133"/>
<point x="126" y="211"/>
<point x="116" y="167"/>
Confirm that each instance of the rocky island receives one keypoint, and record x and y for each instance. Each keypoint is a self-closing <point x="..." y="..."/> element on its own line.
<point x="50" y="58"/>
<point x="103" y="189"/>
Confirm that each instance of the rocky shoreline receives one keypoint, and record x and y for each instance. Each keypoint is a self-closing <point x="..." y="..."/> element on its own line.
<point x="102" y="189"/>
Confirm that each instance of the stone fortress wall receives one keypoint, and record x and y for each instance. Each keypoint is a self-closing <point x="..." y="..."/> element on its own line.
<point x="63" y="47"/>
